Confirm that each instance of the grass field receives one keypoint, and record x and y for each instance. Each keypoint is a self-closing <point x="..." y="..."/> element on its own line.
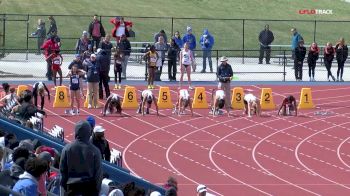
<point x="228" y="33"/>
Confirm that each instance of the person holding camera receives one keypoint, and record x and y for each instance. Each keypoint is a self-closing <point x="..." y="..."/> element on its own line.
<point x="225" y="74"/>
<point x="207" y="42"/>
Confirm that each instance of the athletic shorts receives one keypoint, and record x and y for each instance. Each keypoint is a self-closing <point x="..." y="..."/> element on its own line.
<point x="56" y="67"/>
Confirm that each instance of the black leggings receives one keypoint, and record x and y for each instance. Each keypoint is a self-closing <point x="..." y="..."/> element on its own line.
<point x="328" y="65"/>
<point x="172" y="69"/>
<point x="312" y="66"/>
<point x="36" y="101"/>
<point x="340" y="69"/>
<point x="117" y="76"/>
<point x="298" y="68"/>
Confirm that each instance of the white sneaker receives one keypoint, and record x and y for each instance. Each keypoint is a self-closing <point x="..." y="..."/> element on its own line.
<point x="89" y="106"/>
<point x="190" y="87"/>
<point x="71" y="112"/>
<point x="77" y="112"/>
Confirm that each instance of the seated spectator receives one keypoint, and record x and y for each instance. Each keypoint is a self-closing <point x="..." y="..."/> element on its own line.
<point x="6" y="89"/>
<point x="116" y="192"/>
<point x="171" y="192"/>
<point x="98" y="139"/>
<point x="80" y="164"/>
<point x="9" y="176"/>
<point x="27" y="184"/>
<point x="46" y="156"/>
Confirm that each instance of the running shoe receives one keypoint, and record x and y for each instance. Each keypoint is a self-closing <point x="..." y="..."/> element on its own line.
<point x="71" y="112"/>
<point x="116" y="87"/>
<point x="89" y="106"/>
<point x="149" y="87"/>
<point x="190" y="87"/>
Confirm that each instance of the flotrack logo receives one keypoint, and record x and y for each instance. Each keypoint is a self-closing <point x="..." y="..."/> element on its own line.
<point x="315" y="12"/>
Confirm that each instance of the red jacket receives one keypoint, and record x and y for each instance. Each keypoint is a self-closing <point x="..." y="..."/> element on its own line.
<point x="116" y="23"/>
<point x="49" y="46"/>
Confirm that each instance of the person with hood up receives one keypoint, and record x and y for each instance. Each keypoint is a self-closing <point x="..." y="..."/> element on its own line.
<point x="103" y="61"/>
<point x="81" y="164"/>
<point x="207" y="42"/>
<point x="190" y="39"/>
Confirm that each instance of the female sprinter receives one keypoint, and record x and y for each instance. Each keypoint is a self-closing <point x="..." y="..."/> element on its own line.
<point x="184" y="100"/>
<point x="74" y="77"/>
<point x="218" y="102"/>
<point x="113" y="101"/>
<point x="251" y="105"/>
<point x="147" y="96"/>
<point x="289" y="104"/>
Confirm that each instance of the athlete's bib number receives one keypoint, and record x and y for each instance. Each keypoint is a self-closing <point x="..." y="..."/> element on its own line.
<point x="75" y="80"/>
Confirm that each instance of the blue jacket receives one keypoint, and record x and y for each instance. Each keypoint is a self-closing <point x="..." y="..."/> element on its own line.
<point x="27" y="185"/>
<point x="295" y="40"/>
<point x="178" y="42"/>
<point x="207" y="40"/>
<point x="191" y="39"/>
<point x="93" y="71"/>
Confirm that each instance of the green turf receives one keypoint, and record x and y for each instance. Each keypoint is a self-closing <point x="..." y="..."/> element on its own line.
<point x="228" y="33"/>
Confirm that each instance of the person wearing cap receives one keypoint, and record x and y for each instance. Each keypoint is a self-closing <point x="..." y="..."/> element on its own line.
<point x="83" y="43"/>
<point x="224" y="74"/>
<point x="300" y="52"/>
<point x="93" y="78"/>
<point x="296" y="37"/>
<point x="103" y="60"/>
<point x="81" y="164"/>
<point x="96" y="31"/>
<point x="265" y="39"/>
<point x="161" y="33"/>
<point x="39" y="89"/>
<point x="191" y="40"/>
<point x="99" y="141"/>
<point x="147" y="97"/>
<point x="125" y="48"/>
<point x="201" y="190"/>
<point x="207" y="43"/>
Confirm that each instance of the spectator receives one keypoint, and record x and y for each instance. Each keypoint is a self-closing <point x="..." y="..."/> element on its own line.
<point x="9" y="177"/>
<point x="171" y="192"/>
<point x="328" y="56"/>
<point x="201" y="190"/>
<point x="81" y="164"/>
<point x="120" y="27"/>
<point x="27" y="184"/>
<point x="311" y="60"/>
<point x="160" y="34"/>
<point x="178" y="39"/>
<point x="45" y="156"/>
<point x="131" y="34"/>
<point x="265" y="39"/>
<point x="9" y="97"/>
<point x="77" y="61"/>
<point x="103" y="61"/>
<point x="125" y="47"/>
<point x="341" y="49"/>
<point x="40" y="34"/>
<point x="6" y="89"/>
<point x="96" y="31"/>
<point x="191" y="40"/>
<point x="106" y="45"/>
<point x="161" y="48"/>
<point x="27" y="109"/>
<point x="171" y="183"/>
<point x="296" y="38"/>
<point x="83" y="43"/>
<point x="225" y="74"/>
<point x="118" y="59"/>
<point x="92" y="122"/>
<point x="186" y="60"/>
<point x="50" y="46"/>
<point x="300" y="52"/>
<point x="207" y="42"/>
<point x="53" y="27"/>
<point x="93" y="78"/>
<point x="151" y="57"/>
<point x="98" y="139"/>
<point x="173" y="51"/>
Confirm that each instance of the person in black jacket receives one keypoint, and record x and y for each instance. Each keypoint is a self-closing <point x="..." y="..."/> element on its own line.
<point x="341" y="49"/>
<point x="225" y="74"/>
<point x="103" y="61"/>
<point x="53" y="27"/>
<point x="125" y="47"/>
<point x="99" y="141"/>
<point x="173" y="52"/>
<point x="96" y="31"/>
<point x="328" y="56"/>
<point x="311" y="60"/>
<point x="265" y="39"/>
<point x="300" y="53"/>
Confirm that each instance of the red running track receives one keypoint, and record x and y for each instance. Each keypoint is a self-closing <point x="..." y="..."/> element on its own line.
<point x="267" y="155"/>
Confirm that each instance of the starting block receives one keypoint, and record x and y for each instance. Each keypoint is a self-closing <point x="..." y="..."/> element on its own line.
<point x="237" y="101"/>
<point x="305" y="101"/>
<point x="164" y="98"/>
<point x="130" y="100"/>
<point x="20" y="89"/>
<point x="200" y="98"/>
<point x="266" y="99"/>
<point x="61" y="97"/>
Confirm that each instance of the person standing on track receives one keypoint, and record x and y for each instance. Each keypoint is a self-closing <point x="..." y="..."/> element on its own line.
<point x="225" y="75"/>
<point x="113" y="101"/>
<point x="341" y="49"/>
<point x="184" y="100"/>
<point x="38" y="90"/>
<point x="311" y="60"/>
<point x="186" y="60"/>
<point x="74" y="87"/>
<point x="147" y="96"/>
<point x="328" y="56"/>
<point x="251" y="105"/>
<point x="289" y="104"/>
<point x="93" y="77"/>
<point x="56" y="63"/>
<point x="218" y="101"/>
<point x="118" y="59"/>
<point x="300" y="52"/>
<point x="49" y="47"/>
<point x="103" y="61"/>
<point x="151" y="57"/>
